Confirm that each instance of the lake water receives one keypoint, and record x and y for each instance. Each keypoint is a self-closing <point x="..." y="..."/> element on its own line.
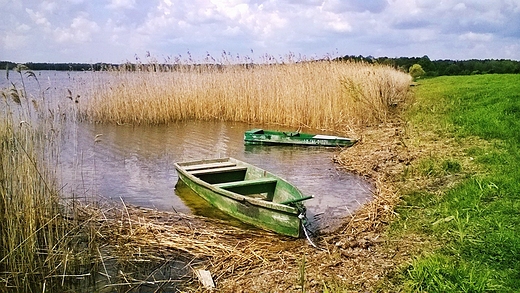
<point x="135" y="163"/>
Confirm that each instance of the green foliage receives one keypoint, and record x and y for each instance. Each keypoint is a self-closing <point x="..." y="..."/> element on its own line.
<point x="439" y="273"/>
<point x="431" y="166"/>
<point x="477" y="222"/>
<point x="451" y="166"/>
<point x="416" y="71"/>
<point x="445" y="67"/>
<point x="427" y="167"/>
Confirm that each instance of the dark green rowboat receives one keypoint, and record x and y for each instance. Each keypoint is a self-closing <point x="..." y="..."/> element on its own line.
<point x="271" y="137"/>
<point x="247" y="193"/>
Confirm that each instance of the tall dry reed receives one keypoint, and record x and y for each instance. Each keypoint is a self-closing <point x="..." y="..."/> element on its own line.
<point x="319" y="94"/>
<point x="29" y="212"/>
<point x="41" y="246"/>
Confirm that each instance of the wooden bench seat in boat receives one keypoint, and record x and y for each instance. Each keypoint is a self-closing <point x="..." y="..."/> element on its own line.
<point x="263" y="180"/>
<point x="217" y="170"/>
<point x="261" y="188"/>
<point x="209" y="166"/>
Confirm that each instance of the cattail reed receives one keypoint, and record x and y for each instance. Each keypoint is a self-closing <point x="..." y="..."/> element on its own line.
<point x="319" y="94"/>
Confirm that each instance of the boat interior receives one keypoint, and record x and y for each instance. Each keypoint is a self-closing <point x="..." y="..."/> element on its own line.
<point x="237" y="179"/>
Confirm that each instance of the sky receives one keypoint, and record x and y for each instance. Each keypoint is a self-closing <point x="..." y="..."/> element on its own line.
<point x="117" y="31"/>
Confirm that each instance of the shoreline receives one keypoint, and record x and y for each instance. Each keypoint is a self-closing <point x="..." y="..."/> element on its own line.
<point x="355" y="255"/>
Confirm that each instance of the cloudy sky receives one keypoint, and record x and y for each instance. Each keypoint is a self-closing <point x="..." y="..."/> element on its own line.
<point x="119" y="30"/>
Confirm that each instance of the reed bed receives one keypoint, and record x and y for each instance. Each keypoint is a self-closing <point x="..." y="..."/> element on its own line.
<point x="33" y="244"/>
<point x="327" y="95"/>
<point x="42" y="246"/>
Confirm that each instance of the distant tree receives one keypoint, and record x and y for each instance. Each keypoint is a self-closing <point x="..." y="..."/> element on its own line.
<point x="426" y="64"/>
<point x="452" y="69"/>
<point x="416" y="71"/>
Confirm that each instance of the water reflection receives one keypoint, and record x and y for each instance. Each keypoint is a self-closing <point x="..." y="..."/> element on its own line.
<point x="136" y="164"/>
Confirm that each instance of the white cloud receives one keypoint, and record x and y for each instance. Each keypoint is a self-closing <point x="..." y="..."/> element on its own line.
<point x="459" y="7"/>
<point x="119" y="4"/>
<point x="439" y="29"/>
<point x="342" y="6"/>
<point x="336" y="23"/>
<point x="23" y="28"/>
<point x="232" y="9"/>
<point x="38" y="18"/>
<point x="263" y="25"/>
<point x="231" y="31"/>
<point x="49" y="6"/>
<point x="474" y="37"/>
<point x="13" y="41"/>
<point x="512" y="51"/>
<point x="80" y="31"/>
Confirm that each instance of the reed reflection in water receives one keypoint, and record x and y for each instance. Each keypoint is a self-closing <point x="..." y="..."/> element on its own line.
<point x="135" y="163"/>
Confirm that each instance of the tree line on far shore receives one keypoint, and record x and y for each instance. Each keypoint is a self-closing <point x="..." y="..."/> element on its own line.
<point x="445" y="67"/>
<point x="59" y="66"/>
<point x="431" y="67"/>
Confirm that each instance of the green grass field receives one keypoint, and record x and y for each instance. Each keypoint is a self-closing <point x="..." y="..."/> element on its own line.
<point x="473" y="226"/>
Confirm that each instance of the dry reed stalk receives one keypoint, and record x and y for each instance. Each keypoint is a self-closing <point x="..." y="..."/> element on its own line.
<point x="321" y="95"/>
<point x="229" y="250"/>
<point x="37" y="236"/>
<point x="244" y="261"/>
<point x="31" y="220"/>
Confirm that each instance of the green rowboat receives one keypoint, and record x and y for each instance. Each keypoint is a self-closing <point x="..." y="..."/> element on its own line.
<point x="271" y="137"/>
<point x="248" y="193"/>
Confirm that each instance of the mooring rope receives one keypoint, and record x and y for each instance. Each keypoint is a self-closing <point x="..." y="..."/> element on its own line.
<point x="302" y="217"/>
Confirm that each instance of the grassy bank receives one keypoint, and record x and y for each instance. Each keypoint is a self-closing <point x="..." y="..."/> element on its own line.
<point x="320" y="95"/>
<point x="473" y="227"/>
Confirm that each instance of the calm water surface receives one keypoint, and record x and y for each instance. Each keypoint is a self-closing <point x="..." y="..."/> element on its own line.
<point x="135" y="163"/>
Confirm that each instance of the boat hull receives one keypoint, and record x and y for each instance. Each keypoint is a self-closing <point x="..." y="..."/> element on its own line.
<point x="234" y="191"/>
<point x="270" y="137"/>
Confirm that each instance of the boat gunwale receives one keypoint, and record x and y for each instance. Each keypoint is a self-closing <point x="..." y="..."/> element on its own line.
<point x="254" y="137"/>
<point x="301" y="134"/>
